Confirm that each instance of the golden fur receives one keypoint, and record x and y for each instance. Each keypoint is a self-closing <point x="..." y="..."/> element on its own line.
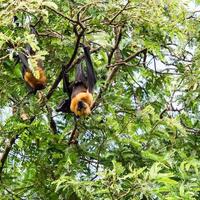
<point x="87" y="100"/>
<point x="35" y="82"/>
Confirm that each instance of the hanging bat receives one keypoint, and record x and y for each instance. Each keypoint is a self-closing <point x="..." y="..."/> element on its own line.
<point x="81" y="90"/>
<point x="34" y="83"/>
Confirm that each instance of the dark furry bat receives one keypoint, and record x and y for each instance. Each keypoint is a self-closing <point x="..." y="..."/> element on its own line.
<point x="80" y="91"/>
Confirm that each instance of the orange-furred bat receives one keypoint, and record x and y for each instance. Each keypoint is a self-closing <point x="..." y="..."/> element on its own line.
<point x="34" y="83"/>
<point x="80" y="91"/>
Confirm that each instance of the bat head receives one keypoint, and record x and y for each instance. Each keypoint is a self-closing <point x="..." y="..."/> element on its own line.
<point x="81" y="104"/>
<point x="39" y="86"/>
<point x="82" y="109"/>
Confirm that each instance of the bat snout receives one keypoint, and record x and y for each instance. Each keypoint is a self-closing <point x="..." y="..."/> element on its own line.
<point x="80" y="105"/>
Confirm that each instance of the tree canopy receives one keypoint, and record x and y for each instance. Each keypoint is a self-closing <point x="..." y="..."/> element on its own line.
<point x="142" y="139"/>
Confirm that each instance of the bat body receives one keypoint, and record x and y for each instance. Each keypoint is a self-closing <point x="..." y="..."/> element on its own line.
<point x="81" y="97"/>
<point x="80" y="91"/>
<point x="34" y="83"/>
<point x="37" y="80"/>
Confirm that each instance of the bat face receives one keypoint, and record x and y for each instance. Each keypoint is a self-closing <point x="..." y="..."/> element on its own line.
<point x="82" y="110"/>
<point x="81" y="104"/>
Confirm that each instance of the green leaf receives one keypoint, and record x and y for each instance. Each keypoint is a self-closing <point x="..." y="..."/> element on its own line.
<point x="50" y="4"/>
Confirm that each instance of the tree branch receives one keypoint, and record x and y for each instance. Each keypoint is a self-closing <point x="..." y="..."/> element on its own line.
<point x="118" y="57"/>
<point x="4" y="155"/>
<point x="118" y="38"/>
<point x="80" y="58"/>
<point x="62" y="15"/>
<point x="115" y="67"/>
<point x="74" y="133"/>
<point x="66" y="67"/>
<point x="52" y="123"/>
<point x="118" y="13"/>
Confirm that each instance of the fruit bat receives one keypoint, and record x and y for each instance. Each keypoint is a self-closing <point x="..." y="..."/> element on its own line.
<point x="81" y="90"/>
<point x="33" y="82"/>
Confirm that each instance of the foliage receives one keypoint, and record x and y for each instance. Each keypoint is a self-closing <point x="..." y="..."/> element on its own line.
<point x="142" y="140"/>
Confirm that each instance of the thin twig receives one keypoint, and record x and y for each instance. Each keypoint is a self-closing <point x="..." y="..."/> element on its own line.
<point x="62" y="15"/>
<point x="118" y="13"/>
<point x="74" y="133"/>
<point x="52" y="123"/>
<point x="114" y="70"/>
<point x="50" y="33"/>
<point x="115" y="67"/>
<point x="2" y="58"/>
<point x="80" y="58"/>
<point x="118" y="38"/>
<point x="4" y="155"/>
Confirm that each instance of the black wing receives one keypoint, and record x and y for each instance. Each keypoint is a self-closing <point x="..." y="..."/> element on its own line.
<point x="80" y="75"/>
<point x="24" y="60"/>
<point x="23" y="56"/>
<point x="25" y="67"/>
<point x="91" y="76"/>
<point x="66" y="84"/>
<point x="64" y="106"/>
